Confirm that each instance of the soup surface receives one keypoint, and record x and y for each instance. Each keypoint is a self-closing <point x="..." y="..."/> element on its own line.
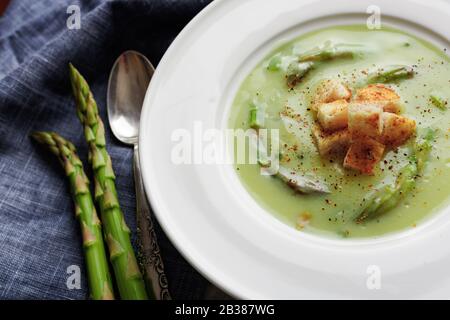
<point x="289" y="110"/>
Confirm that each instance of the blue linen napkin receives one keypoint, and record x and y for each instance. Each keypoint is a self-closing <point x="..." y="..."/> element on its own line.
<point x="39" y="236"/>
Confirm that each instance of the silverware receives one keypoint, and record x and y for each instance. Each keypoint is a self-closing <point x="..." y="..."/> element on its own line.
<point x="128" y="82"/>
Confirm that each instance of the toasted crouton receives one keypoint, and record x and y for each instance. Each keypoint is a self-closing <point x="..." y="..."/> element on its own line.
<point x="396" y="129"/>
<point x="363" y="155"/>
<point x="331" y="143"/>
<point x="332" y="116"/>
<point x="330" y="90"/>
<point x="364" y="119"/>
<point x="385" y="96"/>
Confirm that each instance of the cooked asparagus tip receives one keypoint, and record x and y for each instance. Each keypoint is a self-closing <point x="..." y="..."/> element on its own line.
<point x="99" y="278"/>
<point x="391" y="74"/>
<point x="438" y="100"/>
<point x="274" y="63"/>
<point x="300" y="183"/>
<point x="422" y="148"/>
<point x="405" y="183"/>
<point x="129" y="279"/>
<point x="388" y="197"/>
<point x="257" y="117"/>
<point x="329" y="52"/>
<point x="296" y="71"/>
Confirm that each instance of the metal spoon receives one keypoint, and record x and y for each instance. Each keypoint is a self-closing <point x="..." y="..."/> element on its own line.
<point x="128" y="82"/>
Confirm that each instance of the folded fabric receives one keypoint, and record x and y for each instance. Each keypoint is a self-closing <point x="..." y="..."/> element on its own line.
<point x="40" y="245"/>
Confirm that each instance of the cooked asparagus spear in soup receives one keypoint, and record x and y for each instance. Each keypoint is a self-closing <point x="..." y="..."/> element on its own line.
<point x="438" y="100"/>
<point x="329" y="51"/>
<point x="391" y="74"/>
<point x="388" y="197"/>
<point x="356" y="112"/>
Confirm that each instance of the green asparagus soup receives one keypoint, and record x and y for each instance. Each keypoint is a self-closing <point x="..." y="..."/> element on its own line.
<point x="401" y="182"/>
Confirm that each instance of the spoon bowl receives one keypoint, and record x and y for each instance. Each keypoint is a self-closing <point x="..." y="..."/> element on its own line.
<point x="127" y="85"/>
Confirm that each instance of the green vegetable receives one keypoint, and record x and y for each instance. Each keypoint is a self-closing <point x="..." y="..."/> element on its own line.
<point x="274" y="63"/>
<point x="422" y="148"/>
<point x="296" y="71"/>
<point x="257" y="116"/>
<point x="328" y="52"/>
<point x="295" y="181"/>
<point x="388" y="197"/>
<point x="404" y="184"/>
<point x="438" y="100"/>
<point x="126" y="270"/>
<point x="99" y="278"/>
<point x="300" y="183"/>
<point x="374" y="202"/>
<point x="391" y="74"/>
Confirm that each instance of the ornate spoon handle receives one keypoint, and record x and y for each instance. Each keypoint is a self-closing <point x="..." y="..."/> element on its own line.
<point x="149" y="252"/>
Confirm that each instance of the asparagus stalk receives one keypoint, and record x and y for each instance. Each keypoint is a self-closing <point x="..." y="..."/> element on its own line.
<point x="297" y="66"/>
<point x="257" y="117"/>
<point x="438" y="100"/>
<point x="307" y="61"/>
<point x="99" y="278"/>
<point x="422" y="148"/>
<point x="300" y="183"/>
<point x="329" y="52"/>
<point x="391" y="74"/>
<point x="117" y="234"/>
<point x="388" y="197"/>
<point x="405" y="182"/>
<point x="296" y="71"/>
<point x="292" y="179"/>
<point x="274" y="63"/>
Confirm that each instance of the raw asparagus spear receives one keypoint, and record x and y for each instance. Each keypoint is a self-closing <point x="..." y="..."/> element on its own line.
<point x="117" y="234"/>
<point x="99" y="278"/>
<point x="388" y="197"/>
<point x="438" y="100"/>
<point x="391" y="74"/>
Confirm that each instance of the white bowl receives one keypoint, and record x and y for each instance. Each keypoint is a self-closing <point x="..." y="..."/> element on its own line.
<point x="205" y="210"/>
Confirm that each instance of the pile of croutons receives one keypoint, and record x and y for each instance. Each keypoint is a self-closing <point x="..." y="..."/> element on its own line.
<point x="362" y="126"/>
